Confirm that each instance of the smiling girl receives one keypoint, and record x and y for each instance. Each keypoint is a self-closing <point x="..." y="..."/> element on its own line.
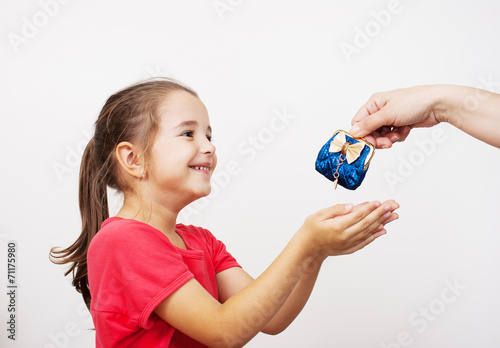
<point x="150" y="282"/>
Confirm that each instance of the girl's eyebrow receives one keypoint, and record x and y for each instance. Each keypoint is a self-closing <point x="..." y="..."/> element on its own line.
<point x="192" y="123"/>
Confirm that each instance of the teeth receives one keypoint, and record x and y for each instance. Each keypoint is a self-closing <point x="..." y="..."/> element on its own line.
<point x="202" y="168"/>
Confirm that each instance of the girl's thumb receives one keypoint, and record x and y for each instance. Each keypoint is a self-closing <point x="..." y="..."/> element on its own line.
<point x="336" y="210"/>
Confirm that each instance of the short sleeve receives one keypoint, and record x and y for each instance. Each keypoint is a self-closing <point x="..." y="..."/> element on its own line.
<point x="220" y="257"/>
<point x="132" y="268"/>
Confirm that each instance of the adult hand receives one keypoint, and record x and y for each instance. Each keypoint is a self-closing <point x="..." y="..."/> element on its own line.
<point x="388" y="117"/>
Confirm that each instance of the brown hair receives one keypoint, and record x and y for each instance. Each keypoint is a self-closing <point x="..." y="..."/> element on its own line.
<point x="131" y="114"/>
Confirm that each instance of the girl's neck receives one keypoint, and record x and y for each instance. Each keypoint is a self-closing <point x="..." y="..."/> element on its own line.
<point x="158" y="216"/>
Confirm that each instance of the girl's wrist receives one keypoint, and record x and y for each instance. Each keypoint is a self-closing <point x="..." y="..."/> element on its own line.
<point x="314" y="253"/>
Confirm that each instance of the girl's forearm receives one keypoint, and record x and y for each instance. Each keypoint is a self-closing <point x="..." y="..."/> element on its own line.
<point x="246" y="313"/>
<point x="296" y="301"/>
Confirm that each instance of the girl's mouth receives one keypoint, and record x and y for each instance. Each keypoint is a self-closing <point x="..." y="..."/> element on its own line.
<point x="201" y="168"/>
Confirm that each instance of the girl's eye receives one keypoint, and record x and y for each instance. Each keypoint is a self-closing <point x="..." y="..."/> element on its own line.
<point x="209" y="137"/>
<point x="187" y="133"/>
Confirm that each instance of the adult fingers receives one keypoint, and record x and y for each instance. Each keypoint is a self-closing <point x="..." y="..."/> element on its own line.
<point x="371" y="139"/>
<point x="383" y="143"/>
<point x="378" y="141"/>
<point x="398" y="134"/>
<point x="404" y="132"/>
<point x="384" y="130"/>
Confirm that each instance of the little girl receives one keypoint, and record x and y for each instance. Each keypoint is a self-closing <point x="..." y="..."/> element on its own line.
<point x="150" y="282"/>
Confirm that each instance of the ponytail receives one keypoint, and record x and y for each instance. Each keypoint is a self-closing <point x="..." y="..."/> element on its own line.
<point x="94" y="210"/>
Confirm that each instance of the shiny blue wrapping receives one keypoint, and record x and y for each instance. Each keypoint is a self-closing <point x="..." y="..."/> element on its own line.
<point x="350" y="175"/>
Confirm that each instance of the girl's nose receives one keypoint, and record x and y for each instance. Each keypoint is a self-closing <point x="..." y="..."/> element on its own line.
<point x="207" y="147"/>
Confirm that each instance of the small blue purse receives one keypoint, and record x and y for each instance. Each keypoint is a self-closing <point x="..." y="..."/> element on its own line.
<point x="344" y="159"/>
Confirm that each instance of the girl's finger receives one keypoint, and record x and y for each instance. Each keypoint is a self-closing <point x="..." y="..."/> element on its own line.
<point x="375" y="226"/>
<point x="333" y="211"/>
<point x="394" y="216"/>
<point x="354" y="217"/>
<point x="359" y="205"/>
<point x="370" y="238"/>
<point x="371" y="221"/>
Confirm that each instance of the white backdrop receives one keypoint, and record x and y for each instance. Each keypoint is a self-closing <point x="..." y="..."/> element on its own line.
<point x="278" y="77"/>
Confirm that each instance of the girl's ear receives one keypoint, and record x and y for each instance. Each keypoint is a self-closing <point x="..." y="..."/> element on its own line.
<point x="128" y="156"/>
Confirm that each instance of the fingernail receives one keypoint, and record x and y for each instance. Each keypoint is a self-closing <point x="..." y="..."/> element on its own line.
<point x="377" y="203"/>
<point x="354" y="130"/>
<point x="348" y="206"/>
<point x="386" y="215"/>
<point x="394" y="138"/>
<point x="387" y="208"/>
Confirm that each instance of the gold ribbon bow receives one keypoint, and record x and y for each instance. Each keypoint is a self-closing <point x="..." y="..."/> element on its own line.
<point x="351" y="151"/>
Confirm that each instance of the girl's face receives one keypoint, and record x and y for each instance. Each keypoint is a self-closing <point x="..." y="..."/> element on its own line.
<point x="183" y="156"/>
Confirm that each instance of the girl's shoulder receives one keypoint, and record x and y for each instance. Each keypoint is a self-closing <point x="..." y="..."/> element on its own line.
<point x="117" y="225"/>
<point x="193" y="231"/>
<point x="195" y="235"/>
<point x="116" y="232"/>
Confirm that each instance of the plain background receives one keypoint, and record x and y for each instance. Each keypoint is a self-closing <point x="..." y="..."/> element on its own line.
<point x="249" y="62"/>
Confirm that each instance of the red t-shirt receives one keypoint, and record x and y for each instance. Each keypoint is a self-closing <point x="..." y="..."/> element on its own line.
<point x="133" y="267"/>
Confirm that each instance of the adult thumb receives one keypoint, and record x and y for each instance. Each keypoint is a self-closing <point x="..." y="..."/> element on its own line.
<point x="370" y="123"/>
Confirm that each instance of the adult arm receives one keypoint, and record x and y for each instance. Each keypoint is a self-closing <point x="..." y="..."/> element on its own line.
<point x="388" y="117"/>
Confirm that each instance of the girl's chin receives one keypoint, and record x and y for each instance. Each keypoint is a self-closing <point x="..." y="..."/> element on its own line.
<point x="202" y="193"/>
